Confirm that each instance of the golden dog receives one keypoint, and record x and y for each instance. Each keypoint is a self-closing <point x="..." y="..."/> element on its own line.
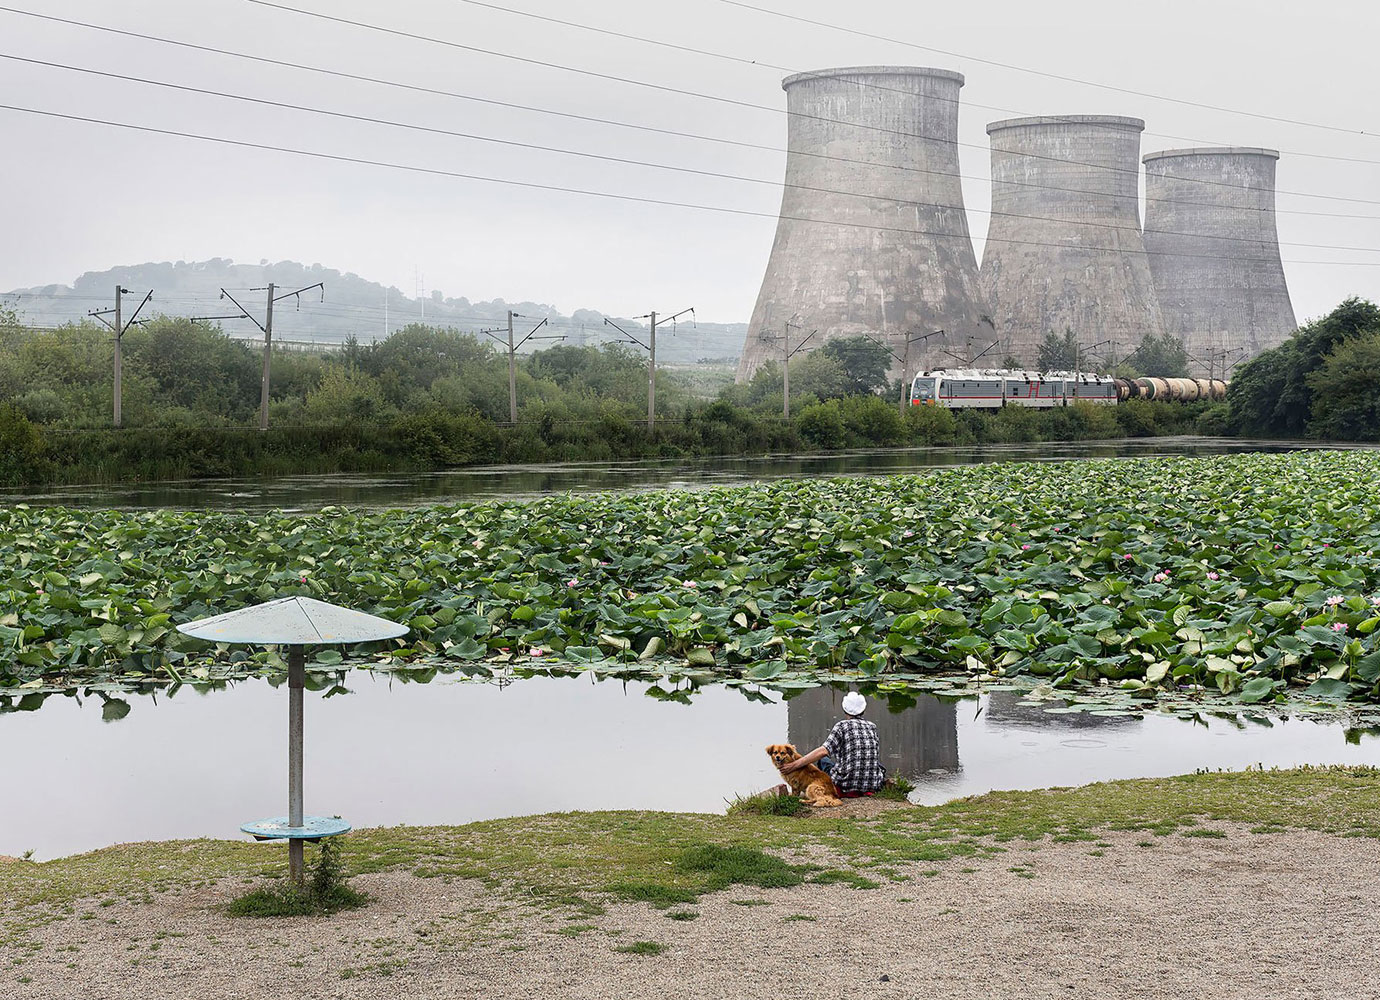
<point x="814" y="787"/>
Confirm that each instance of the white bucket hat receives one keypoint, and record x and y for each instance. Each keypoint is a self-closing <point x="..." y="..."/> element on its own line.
<point x="854" y="703"/>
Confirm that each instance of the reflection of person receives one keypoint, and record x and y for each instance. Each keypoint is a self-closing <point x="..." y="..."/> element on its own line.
<point x="851" y="756"/>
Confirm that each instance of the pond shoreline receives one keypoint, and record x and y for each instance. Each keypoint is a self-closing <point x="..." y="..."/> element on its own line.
<point x="1015" y="891"/>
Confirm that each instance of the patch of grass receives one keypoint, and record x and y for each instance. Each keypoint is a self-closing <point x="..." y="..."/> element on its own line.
<point x="765" y="804"/>
<point x="897" y="788"/>
<point x="324" y="891"/>
<point x="641" y="948"/>
<point x="1204" y="832"/>
<point x="654" y="893"/>
<point x="724" y="866"/>
<point x="575" y="930"/>
<point x="750" y="902"/>
<point x="836" y="876"/>
<point x="683" y="915"/>
<point x="799" y="916"/>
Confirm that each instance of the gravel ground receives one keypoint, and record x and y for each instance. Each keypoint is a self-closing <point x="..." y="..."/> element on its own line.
<point x="1272" y="915"/>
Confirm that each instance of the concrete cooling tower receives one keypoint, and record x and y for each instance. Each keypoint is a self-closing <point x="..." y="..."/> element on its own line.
<point x="1064" y="246"/>
<point x="1214" y="253"/>
<point x="872" y="238"/>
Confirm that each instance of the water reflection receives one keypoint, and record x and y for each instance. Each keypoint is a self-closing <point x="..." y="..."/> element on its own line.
<point x="308" y="492"/>
<point x="452" y="751"/>
<point x="1004" y="708"/>
<point x="920" y="738"/>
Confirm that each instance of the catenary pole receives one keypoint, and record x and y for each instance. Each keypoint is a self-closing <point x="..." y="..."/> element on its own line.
<point x="512" y="372"/>
<point x="651" y="377"/>
<point x="119" y="292"/>
<point x="268" y="361"/>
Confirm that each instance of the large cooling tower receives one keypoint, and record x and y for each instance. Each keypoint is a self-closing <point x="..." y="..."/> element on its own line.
<point x="873" y="238"/>
<point x="1214" y="254"/>
<point x="1064" y="246"/>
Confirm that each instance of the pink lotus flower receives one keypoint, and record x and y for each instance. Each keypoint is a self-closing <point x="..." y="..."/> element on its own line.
<point x="572" y="583"/>
<point x="602" y="563"/>
<point x="690" y="583"/>
<point x="1334" y="600"/>
<point x="1375" y="601"/>
<point x="1338" y="626"/>
<point x="1214" y="576"/>
<point x="536" y="651"/>
<point x="1161" y="577"/>
<point x="1127" y="556"/>
<point x="1023" y="547"/>
<point x="907" y="534"/>
<point x="1327" y="545"/>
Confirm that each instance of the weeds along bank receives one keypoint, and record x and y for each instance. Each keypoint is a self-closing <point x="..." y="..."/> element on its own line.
<point x="435" y="439"/>
<point x="1251" y="577"/>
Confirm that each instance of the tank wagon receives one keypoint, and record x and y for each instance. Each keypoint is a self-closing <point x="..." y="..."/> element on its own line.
<point x="990" y="388"/>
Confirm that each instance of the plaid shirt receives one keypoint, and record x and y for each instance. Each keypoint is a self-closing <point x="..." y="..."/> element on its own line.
<point x="854" y="749"/>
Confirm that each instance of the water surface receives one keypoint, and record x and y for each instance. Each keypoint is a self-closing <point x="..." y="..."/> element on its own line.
<point x="451" y="751"/>
<point x="309" y="492"/>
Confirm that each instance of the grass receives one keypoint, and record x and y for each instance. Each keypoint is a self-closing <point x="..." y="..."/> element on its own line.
<point x="642" y="948"/>
<point x="324" y="891"/>
<point x="765" y="804"/>
<point x="573" y="862"/>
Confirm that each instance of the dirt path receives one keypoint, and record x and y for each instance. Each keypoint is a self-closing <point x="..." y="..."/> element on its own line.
<point x="1278" y="915"/>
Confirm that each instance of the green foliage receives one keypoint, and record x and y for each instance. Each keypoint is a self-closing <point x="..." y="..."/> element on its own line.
<point x="1240" y="580"/>
<point x="864" y="361"/>
<point x="1161" y="356"/>
<point x="325" y="890"/>
<point x="641" y="948"/>
<point x="21" y="446"/>
<point x="1273" y="394"/>
<point x="721" y="867"/>
<point x="1346" y="391"/>
<point x="1058" y="353"/>
<point x="766" y="804"/>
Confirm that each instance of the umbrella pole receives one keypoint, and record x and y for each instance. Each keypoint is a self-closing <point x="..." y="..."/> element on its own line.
<point x="296" y="680"/>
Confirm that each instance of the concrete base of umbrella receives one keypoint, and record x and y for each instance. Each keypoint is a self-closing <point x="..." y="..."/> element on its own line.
<point x="295" y="622"/>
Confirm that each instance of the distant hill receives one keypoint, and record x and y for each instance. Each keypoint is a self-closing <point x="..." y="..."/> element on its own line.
<point x="352" y="306"/>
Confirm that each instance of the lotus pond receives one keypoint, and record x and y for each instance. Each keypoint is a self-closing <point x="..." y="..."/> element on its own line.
<point x="1244" y="579"/>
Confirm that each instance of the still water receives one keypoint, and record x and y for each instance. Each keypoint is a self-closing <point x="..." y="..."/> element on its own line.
<point x="451" y="752"/>
<point x="308" y="492"/>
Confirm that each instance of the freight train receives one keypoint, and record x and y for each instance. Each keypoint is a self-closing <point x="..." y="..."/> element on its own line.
<point x="994" y="387"/>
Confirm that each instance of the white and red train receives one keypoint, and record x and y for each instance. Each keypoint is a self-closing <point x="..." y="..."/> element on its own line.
<point x="995" y="387"/>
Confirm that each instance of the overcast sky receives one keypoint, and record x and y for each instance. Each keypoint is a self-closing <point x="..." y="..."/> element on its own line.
<point x="81" y="197"/>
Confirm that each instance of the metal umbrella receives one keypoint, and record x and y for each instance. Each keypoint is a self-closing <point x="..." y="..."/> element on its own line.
<point x="295" y="622"/>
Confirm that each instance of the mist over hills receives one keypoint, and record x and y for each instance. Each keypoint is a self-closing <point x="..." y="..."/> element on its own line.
<point x="352" y="306"/>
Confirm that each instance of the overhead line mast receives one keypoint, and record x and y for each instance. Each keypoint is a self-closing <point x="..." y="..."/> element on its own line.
<point x="119" y="329"/>
<point x="267" y="327"/>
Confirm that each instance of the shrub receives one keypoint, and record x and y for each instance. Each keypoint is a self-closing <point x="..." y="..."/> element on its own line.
<point x="21" y="447"/>
<point x="821" y="425"/>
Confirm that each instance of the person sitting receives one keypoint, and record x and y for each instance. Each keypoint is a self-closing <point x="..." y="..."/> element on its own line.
<point x="851" y="756"/>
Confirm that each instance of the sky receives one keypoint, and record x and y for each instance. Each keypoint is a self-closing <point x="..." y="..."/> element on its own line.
<point x="80" y="196"/>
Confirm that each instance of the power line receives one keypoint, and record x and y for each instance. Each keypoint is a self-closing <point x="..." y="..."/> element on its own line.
<point x="744" y="61"/>
<point x="652" y="129"/>
<point x="734" y="102"/>
<point x="607" y="158"/>
<point x="536" y="186"/>
<point x="1036" y="72"/>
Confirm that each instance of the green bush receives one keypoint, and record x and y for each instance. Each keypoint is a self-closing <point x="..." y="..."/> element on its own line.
<point x="821" y="425"/>
<point x="21" y="447"/>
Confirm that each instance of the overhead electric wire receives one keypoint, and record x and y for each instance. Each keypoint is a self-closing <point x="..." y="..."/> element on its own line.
<point x="771" y="109"/>
<point x="537" y="186"/>
<point x="604" y="121"/>
<point x="1044" y="73"/>
<point x="744" y="61"/>
<point x="610" y="158"/>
